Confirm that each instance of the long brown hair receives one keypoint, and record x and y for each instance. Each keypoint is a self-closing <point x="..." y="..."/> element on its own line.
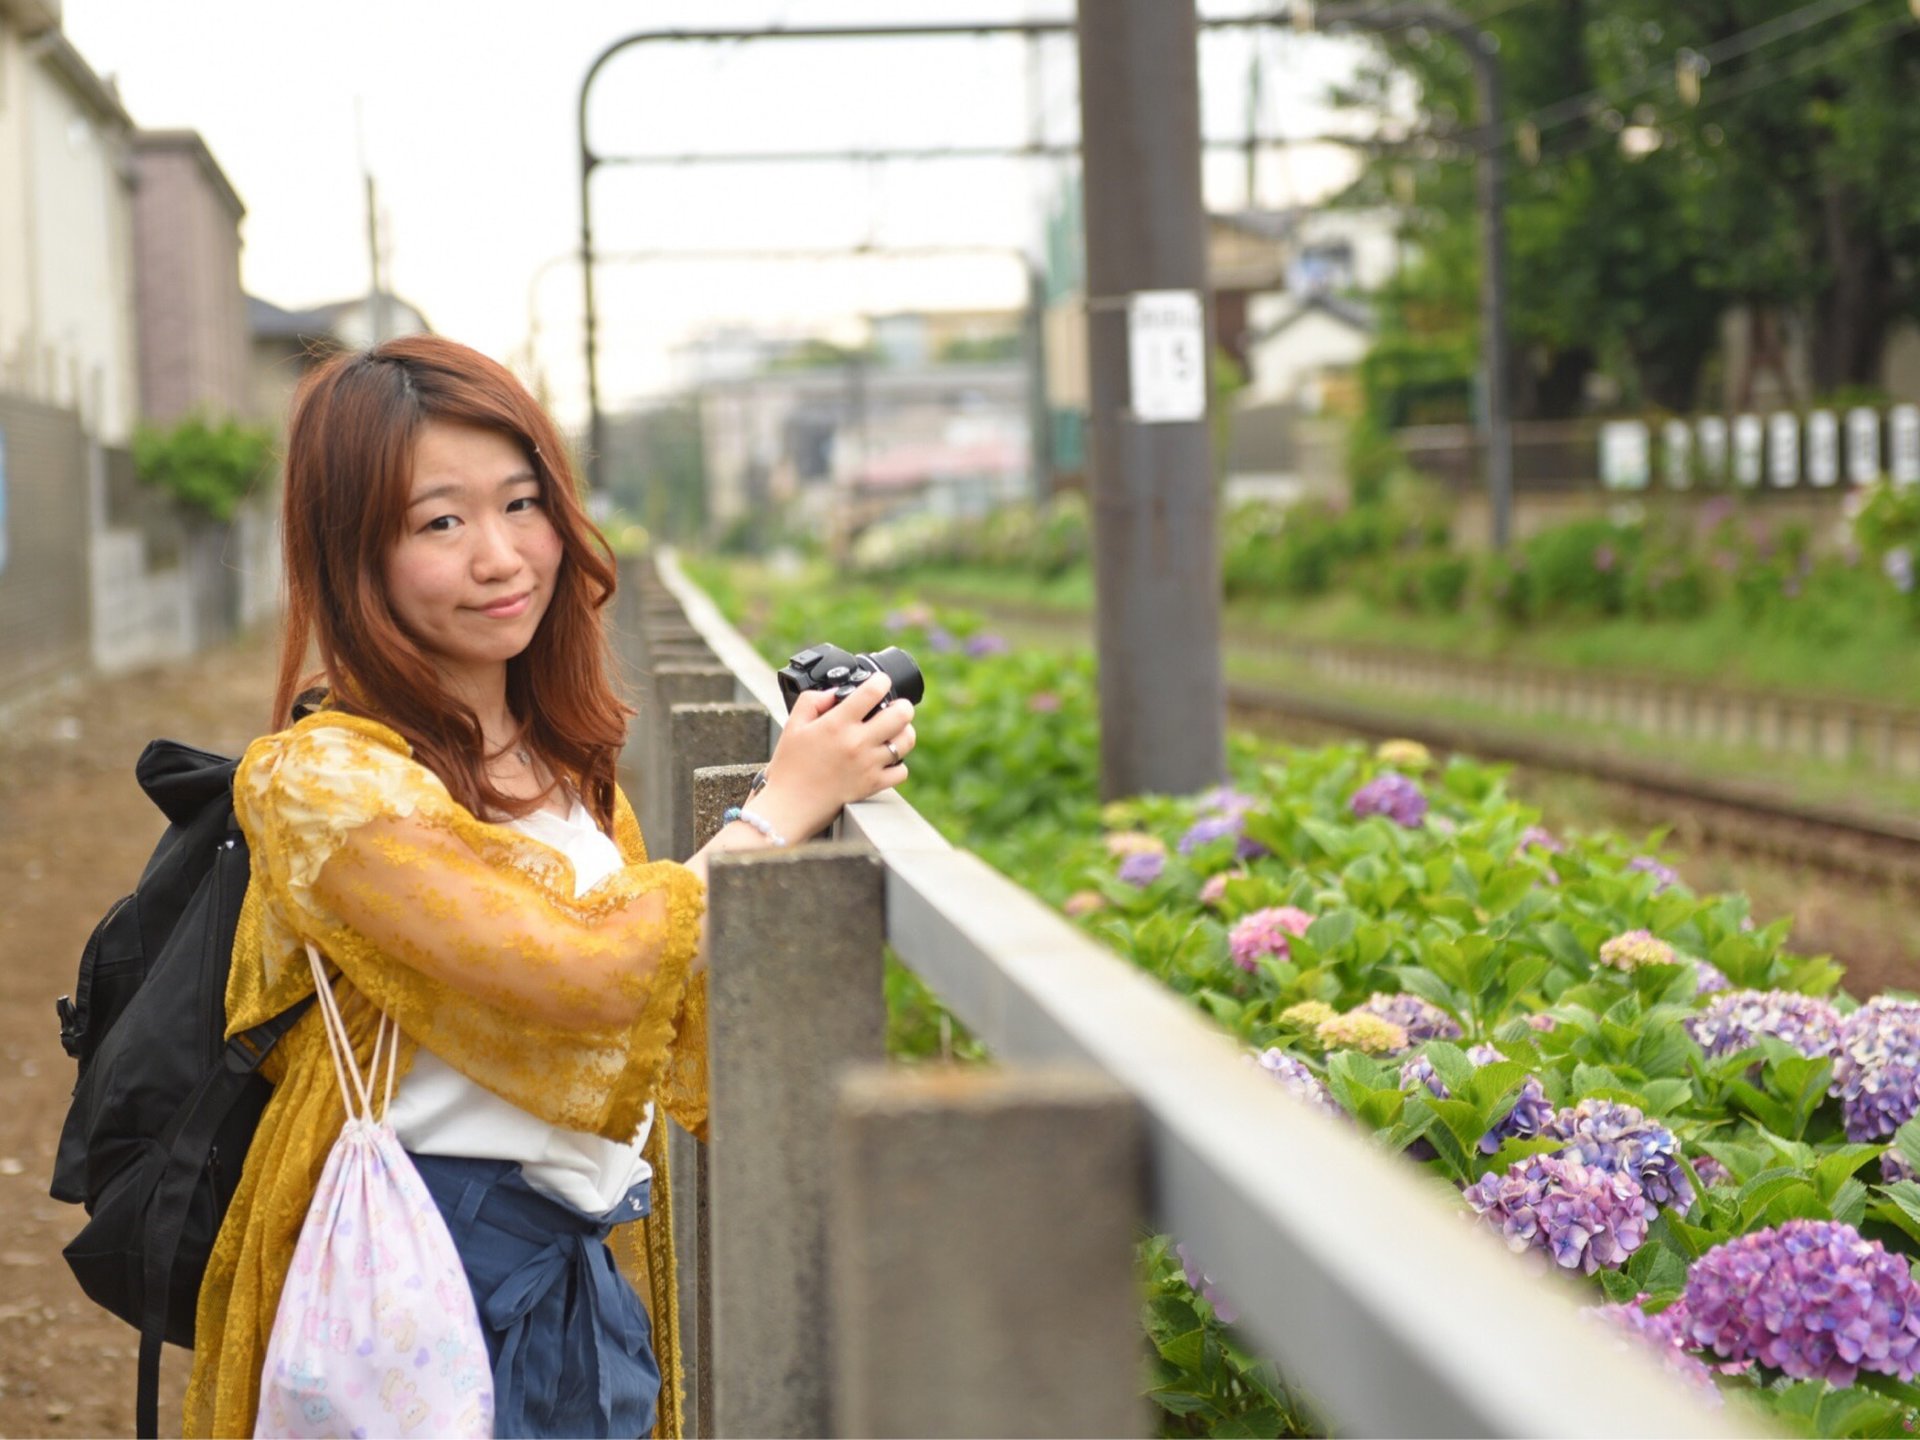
<point x="349" y="470"/>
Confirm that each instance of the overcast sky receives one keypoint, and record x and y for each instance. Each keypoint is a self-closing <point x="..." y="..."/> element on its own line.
<point x="465" y="112"/>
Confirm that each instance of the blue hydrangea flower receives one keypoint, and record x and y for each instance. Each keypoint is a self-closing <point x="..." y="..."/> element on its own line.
<point x="1733" y="1020"/>
<point x="1392" y="795"/>
<point x="1711" y="979"/>
<point x="1811" y="1299"/>
<point x="1582" y="1217"/>
<point x="1294" y="1076"/>
<point x="1143" y="868"/>
<point x="1876" y="1073"/>
<point x="1207" y="829"/>
<point x="1623" y="1141"/>
<point x="1531" y="1108"/>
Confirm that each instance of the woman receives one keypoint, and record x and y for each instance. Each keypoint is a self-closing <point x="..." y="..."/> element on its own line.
<point x="446" y="829"/>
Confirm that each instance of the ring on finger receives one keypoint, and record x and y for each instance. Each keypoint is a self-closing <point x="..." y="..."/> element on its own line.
<point x="892" y="751"/>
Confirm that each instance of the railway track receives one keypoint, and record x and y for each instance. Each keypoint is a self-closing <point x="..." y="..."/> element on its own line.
<point x="1745" y="817"/>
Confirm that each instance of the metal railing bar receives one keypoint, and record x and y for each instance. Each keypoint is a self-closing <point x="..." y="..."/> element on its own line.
<point x="1399" y="1316"/>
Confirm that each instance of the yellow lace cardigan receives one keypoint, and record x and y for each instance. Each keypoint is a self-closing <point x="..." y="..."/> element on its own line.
<point x="469" y="934"/>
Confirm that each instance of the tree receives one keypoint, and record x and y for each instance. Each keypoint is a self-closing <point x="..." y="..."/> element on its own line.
<point x="1787" y="190"/>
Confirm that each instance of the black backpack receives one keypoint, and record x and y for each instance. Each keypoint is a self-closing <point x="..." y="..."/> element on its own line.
<point x="165" y="1105"/>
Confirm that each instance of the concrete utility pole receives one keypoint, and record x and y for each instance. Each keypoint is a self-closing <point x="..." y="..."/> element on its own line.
<point x="1156" y="550"/>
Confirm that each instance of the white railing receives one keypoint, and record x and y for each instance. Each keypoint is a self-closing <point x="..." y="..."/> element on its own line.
<point x="1382" y="1304"/>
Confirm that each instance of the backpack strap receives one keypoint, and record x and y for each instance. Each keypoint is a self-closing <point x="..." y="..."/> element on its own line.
<point x="199" y="1121"/>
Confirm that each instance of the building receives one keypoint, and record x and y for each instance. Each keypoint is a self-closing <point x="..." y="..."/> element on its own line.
<point x="67" y="313"/>
<point x="285" y="343"/>
<point x="841" y="446"/>
<point x="192" y="313"/>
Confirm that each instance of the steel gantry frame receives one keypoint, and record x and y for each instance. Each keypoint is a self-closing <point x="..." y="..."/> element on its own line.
<point x="1480" y="47"/>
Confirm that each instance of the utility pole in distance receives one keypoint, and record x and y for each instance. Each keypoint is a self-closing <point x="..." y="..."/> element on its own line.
<point x="1156" y="549"/>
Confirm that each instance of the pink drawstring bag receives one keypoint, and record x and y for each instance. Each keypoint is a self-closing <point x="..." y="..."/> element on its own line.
<point x="376" y="1333"/>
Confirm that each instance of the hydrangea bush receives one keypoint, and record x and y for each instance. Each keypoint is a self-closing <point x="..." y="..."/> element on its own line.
<point x="1625" y="1079"/>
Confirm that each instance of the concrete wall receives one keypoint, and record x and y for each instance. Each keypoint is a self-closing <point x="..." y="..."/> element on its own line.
<point x="43" y="546"/>
<point x="192" y="313"/>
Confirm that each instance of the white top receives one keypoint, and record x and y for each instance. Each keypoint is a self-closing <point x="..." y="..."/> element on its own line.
<point x="439" y="1111"/>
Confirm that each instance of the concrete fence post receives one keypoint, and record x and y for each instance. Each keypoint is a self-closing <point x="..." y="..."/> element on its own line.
<point x="982" y="1248"/>
<point x="715" y="789"/>
<point x="667" y="684"/>
<point x="701" y="736"/>
<point x="796" y="939"/>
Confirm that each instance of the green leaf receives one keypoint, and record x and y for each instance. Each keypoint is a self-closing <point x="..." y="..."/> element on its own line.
<point x="1666" y="1095"/>
<point x="1187" y="1351"/>
<point x="1849" y="1203"/>
<point x="1831" y="1169"/>
<point x="1619" y="1287"/>
<point x="1180" y="1402"/>
<point x="1427" y="986"/>
<point x="1799" y="1201"/>
<point x="1906" y="1140"/>
<point x="1565" y="947"/>
<point x="1759" y="1191"/>
<point x="1332" y="932"/>
<point x="1451" y="1064"/>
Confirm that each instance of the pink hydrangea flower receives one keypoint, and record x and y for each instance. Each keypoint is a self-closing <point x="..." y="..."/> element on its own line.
<point x="1264" y="933"/>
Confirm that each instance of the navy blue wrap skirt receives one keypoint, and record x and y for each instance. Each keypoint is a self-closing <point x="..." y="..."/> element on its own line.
<point x="571" y="1347"/>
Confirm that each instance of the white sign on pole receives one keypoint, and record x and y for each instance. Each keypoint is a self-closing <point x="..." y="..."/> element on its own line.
<point x="1783" y="448"/>
<point x="1712" y="431"/>
<point x="1863" y="445"/>
<point x="1823" y="448"/>
<point x="1626" y="461"/>
<point x="1676" y="438"/>
<point x="1903" y="444"/>
<point x="1748" y="440"/>
<point x="1167" y="356"/>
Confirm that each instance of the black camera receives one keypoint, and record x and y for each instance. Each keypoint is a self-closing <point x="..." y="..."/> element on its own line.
<point x="828" y="667"/>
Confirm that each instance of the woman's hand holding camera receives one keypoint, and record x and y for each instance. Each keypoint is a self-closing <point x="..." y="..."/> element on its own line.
<point x="832" y="754"/>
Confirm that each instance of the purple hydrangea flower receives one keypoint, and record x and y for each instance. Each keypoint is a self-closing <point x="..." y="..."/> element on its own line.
<point x="1734" y="1020"/>
<point x="1207" y="829"/>
<point x="1543" y="1023"/>
<point x="1531" y="1108"/>
<point x="1894" y="1168"/>
<point x="1711" y="1171"/>
<point x="1265" y="932"/>
<point x="1225" y="800"/>
<point x="1142" y="868"/>
<point x="1297" y="1079"/>
<point x="1658" y="1334"/>
<point x="1538" y="837"/>
<point x="1421" y="1019"/>
<point x="1664" y="876"/>
<point x="940" y="640"/>
<point x="1581" y="1216"/>
<point x="1811" y="1299"/>
<point x="982" y="645"/>
<point x="1202" y="1284"/>
<point x="1877" y="1071"/>
<point x="1623" y="1141"/>
<point x="1392" y="795"/>
<point x="1711" y="980"/>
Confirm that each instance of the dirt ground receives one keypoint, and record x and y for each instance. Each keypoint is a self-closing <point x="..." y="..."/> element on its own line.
<point x="74" y="832"/>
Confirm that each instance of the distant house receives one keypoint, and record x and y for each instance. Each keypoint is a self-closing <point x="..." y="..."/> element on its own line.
<point x="192" y="311"/>
<point x="286" y="343"/>
<point x="1301" y="346"/>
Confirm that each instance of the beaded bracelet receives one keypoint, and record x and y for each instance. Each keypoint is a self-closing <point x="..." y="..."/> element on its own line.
<point x="758" y="822"/>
